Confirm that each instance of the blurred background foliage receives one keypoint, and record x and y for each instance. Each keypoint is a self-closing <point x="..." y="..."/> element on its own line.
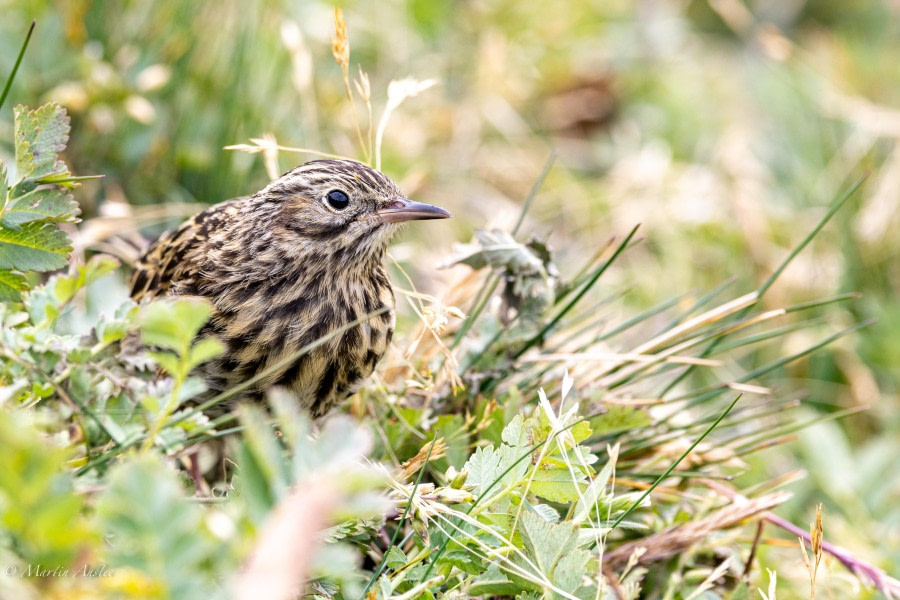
<point x="724" y="126"/>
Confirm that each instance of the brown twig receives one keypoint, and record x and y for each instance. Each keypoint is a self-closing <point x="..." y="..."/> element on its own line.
<point x="749" y="566"/>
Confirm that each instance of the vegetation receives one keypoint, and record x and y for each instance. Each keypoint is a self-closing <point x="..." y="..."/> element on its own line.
<point x="552" y="422"/>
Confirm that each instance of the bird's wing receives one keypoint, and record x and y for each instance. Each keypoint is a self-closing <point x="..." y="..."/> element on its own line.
<point x="173" y="258"/>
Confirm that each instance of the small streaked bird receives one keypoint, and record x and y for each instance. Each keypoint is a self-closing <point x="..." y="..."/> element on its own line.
<point x="284" y="267"/>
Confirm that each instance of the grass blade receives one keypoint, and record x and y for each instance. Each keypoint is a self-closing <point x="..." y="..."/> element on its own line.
<point x="584" y="290"/>
<point x="671" y="468"/>
<point x="535" y="188"/>
<point x="835" y="206"/>
<point x="18" y="62"/>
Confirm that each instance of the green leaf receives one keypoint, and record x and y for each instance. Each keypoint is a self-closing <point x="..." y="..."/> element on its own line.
<point x="66" y="286"/>
<point x="546" y="543"/>
<point x="558" y="485"/>
<point x="452" y="428"/>
<point x="205" y="350"/>
<point x="620" y="418"/>
<point x="173" y="323"/>
<point x="545" y="511"/>
<point x="585" y="507"/>
<point x="581" y="431"/>
<point x="395" y="558"/>
<point x="39" y="509"/>
<point x="4" y="184"/>
<point x="493" y="582"/>
<point x="41" y="134"/>
<point x="40" y="205"/>
<point x="570" y="570"/>
<point x="517" y="433"/>
<point x="36" y="247"/>
<point x="154" y="529"/>
<point x="464" y="560"/>
<point x="487" y="465"/>
<point x="167" y="361"/>
<point x="11" y="286"/>
<point x="263" y="471"/>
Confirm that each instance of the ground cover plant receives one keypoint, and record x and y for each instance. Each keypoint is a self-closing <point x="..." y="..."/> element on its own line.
<point x="526" y="437"/>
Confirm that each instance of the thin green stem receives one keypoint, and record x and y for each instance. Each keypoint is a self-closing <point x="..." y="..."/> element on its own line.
<point x="671" y="468"/>
<point x="535" y="188"/>
<point x="15" y="69"/>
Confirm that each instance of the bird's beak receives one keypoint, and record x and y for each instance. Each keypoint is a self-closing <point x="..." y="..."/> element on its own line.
<point x="403" y="209"/>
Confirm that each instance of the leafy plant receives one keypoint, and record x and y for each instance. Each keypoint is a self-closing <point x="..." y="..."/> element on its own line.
<point x="36" y="200"/>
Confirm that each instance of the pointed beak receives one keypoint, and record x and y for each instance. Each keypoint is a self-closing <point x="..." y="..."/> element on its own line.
<point x="403" y="209"/>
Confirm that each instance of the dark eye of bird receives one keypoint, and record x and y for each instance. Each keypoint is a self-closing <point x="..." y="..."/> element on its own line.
<point x="337" y="200"/>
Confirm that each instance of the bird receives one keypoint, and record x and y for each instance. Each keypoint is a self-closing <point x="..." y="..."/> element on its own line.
<point x="300" y="259"/>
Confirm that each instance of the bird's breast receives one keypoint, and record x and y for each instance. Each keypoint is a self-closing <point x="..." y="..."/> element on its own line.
<point x="319" y="337"/>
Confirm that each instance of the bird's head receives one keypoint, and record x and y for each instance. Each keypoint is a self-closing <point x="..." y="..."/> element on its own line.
<point x="342" y="204"/>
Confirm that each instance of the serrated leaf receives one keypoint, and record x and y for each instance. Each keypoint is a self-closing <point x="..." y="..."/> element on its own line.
<point x="40" y="205"/>
<point x="545" y="511"/>
<point x="570" y="570"/>
<point x="349" y="529"/>
<point x="35" y="247"/>
<point x="546" y="543"/>
<point x="558" y="485"/>
<point x="465" y="561"/>
<point x="516" y="433"/>
<point x="41" y="134"/>
<point x="11" y="286"/>
<point x="488" y="465"/>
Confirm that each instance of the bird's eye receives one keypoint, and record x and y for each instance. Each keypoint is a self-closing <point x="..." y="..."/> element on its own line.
<point x="337" y="200"/>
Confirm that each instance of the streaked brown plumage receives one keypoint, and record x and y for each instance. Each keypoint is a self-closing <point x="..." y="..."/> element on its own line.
<point x="286" y="266"/>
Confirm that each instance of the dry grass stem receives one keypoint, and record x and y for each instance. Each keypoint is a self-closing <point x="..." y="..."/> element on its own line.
<point x="263" y="145"/>
<point x="815" y="539"/>
<point x="340" y="49"/>
<point x="621" y="357"/>
<point x="398" y="91"/>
